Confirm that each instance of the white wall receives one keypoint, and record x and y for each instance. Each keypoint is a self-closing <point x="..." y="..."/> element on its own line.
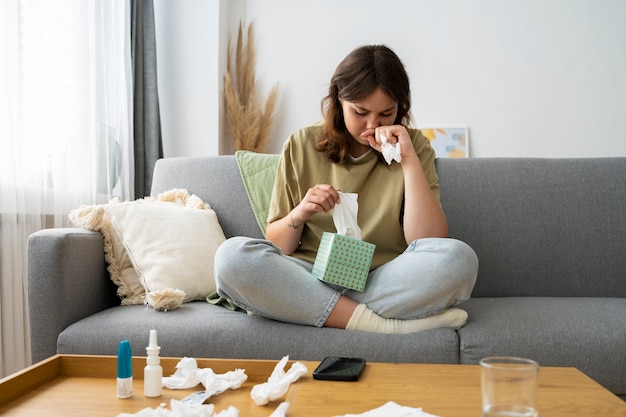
<point x="192" y="38"/>
<point x="544" y="78"/>
<point x="187" y="52"/>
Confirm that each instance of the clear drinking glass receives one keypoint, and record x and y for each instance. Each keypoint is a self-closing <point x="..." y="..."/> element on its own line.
<point x="509" y="386"/>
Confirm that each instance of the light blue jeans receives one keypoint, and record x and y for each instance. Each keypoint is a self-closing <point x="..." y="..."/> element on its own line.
<point x="430" y="276"/>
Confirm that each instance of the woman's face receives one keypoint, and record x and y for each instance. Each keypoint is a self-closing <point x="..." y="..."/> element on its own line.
<point x="362" y="117"/>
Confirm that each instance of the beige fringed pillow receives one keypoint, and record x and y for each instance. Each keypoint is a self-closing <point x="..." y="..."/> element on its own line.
<point x="159" y="250"/>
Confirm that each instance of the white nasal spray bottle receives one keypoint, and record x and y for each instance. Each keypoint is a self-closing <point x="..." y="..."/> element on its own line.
<point x="153" y="372"/>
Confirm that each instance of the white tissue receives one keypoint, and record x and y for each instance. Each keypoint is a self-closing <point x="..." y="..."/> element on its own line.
<point x="281" y="410"/>
<point x="229" y="412"/>
<point x="392" y="409"/>
<point x="221" y="382"/>
<point x="278" y="383"/>
<point x="188" y="375"/>
<point x="180" y="409"/>
<point x="345" y="215"/>
<point x="389" y="151"/>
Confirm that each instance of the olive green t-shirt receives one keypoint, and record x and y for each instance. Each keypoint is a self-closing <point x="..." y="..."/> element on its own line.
<point x="380" y="189"/>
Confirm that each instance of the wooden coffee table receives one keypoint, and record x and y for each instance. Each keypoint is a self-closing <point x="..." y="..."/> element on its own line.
<point x="86" y="385"/>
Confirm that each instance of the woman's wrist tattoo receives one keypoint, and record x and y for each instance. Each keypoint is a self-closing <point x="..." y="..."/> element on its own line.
<point x="293" y="225"/>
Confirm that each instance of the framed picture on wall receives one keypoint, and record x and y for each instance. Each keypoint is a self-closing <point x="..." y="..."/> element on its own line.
<point x="448" y="142"/>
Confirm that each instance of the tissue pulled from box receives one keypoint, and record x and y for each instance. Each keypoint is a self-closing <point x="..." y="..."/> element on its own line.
<point x="390" y="152"/>
<point x="345" y="215"/>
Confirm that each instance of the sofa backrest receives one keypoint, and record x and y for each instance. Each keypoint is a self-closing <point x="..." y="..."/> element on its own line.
<point x="217" y="181"/>
<point x="540" y="227"/>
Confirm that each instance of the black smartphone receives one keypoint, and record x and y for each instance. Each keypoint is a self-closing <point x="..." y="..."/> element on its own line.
<point x="334" y="368"/>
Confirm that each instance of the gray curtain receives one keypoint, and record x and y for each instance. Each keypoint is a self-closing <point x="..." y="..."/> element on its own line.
<point x="147" y="121"/>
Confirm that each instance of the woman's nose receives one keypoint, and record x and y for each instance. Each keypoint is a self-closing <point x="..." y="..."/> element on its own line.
<point x="373" y="122"/>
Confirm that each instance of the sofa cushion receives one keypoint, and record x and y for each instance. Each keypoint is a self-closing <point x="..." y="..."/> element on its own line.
<point x="121" y="270"/>
<point x="157" y="244"/>
<point x="199" y="329"/>
<point x="583" y="332"/>
<point x="257" y="172"/>
<point x="171" y="248"/>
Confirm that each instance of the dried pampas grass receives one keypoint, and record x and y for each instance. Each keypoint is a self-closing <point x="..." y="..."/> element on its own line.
<point x="248" y="123"/>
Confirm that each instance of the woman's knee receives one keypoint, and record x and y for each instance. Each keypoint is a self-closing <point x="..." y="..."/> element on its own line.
<point x="239" y="259"/>
<point x="227" y="252"/>
<point x="448" y="251"/>
<point x="463" y="264"/>
<point x="453" y="258"/>
<point x="465" y="255"/>
<point x="237" y="256"/>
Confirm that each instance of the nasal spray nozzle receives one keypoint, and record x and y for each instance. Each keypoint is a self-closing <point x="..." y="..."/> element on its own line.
<point x="153" y="372"/>
<point x="153" y="348"/>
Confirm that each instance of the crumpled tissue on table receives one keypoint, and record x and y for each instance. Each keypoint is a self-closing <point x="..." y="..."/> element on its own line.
<point x="278" y="383"/>
<point x="392" y="409"/>
<point x="188" y="375"/>
<point x="180" y="409"/>
<point x="390" y="152"/>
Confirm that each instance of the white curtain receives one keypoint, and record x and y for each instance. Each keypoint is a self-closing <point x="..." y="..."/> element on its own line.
<point x="65" y="132"/>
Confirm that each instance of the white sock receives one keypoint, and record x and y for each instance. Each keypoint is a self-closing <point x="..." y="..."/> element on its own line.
<point x="365" y="320"/>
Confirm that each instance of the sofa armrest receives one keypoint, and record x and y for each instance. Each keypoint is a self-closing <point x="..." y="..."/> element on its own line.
<point x="67" y="281"/>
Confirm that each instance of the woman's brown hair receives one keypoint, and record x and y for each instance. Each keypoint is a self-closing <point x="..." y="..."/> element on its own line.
<point x="359" y="74"/>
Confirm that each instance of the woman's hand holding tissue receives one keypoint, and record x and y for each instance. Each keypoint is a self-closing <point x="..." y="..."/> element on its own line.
<point x="286" y="232"/>
<point x="318" y="199"/>
<point x="394" y="142"/>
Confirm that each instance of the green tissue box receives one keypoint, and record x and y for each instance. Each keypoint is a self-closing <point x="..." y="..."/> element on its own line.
<point x="343" y="261"/>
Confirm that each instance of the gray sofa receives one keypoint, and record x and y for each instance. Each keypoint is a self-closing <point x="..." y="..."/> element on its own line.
<point x="550" y="235"/>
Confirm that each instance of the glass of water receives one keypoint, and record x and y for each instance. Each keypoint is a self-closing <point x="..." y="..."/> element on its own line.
<point x="509" y="386"/>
